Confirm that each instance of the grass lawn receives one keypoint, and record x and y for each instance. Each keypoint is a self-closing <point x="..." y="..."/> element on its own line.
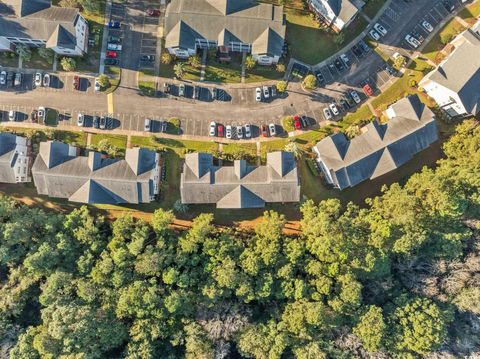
<point x="115" y="75"/>
<point x="119" y="141"/>
<point x="261" y="73"/>
<point x="361" y="115"/>
<point x="433" y="49"/>
<point x="470" y="13"/>
<point x="249" y="149"/>
<point x="96" y="21"/>
<point x="146" y="83"/>
<point x="223" y="72"/>
<point x="372" y="7"/>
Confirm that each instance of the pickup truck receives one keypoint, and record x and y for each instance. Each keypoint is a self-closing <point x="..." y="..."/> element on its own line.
<point x="114" y="47"/>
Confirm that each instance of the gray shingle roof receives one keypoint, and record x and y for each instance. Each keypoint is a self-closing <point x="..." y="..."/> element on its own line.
<point x="225" y="21"/>
<point x="344" y="10"/>
<point x="240" y="185"/>
<point x="59" y="172"/>
<point x="61" y="37"/>
<point x="25" y="7"/>
<point x="381" y="148"/>
<point x="10" y="147"/>
<point x="460" y="72"/>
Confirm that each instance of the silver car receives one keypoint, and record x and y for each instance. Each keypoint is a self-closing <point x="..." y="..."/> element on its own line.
<point x="248" y="131"/>
<point x="81" y="120"/>
<point x="327" y="113"/>
<point x="239" y="132"/>
<point x="3" y="78"/>
<point x="213" y="129"/>
<point x="258" y="94"/>
<point x="38" y="79"/>
<point x="273" y="130"/>
<point x="334" y="109"/>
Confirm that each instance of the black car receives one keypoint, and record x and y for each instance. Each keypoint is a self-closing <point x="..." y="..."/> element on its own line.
<point x="109" y="123"/>
<point x="96" y="122"/>
<point x="273" y="93"/>
<point x="304" y="121"/>
<point x="163" y="126"/>
<point x="418" y="36"/>
<point x="320" y="78"/>
<point x="10" y="77"/>
<point x="196" y="92"/>
<point x="102" y="123"/>
<point x="365" y="48"/>
<point x="344" y="104"/>
<point x="147" y="58"/>
<point x="111" y="62"/>
<point x="357" y="51"/>
<point x="349" y="100"/>
<point x="167" y="87"/>
<point x="339" y="65"/>
<point x="449" y="6"/>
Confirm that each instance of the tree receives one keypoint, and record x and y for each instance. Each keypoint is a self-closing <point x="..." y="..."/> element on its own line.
<point x="180" y="207"/>
<point x="280" y="68"/>
<point x="371" y="329"/>
<point x="105" y="146"/>
<point x="103" y="80"/>
<point x="352" y="131"/>
<point x="68" y="64"/>
<point x="288" y="123"/>
<point x="194" y="61"/>
<point x="24" y="52"/>
<point x="179" y="69"/>
<point x="281" y="86"/>
<point x="309" y="82"/>
<point x="166" y="58"/>
<point x="47" y="54"/>
<point x="250" y="62"/>
<point x="292" y="147"/>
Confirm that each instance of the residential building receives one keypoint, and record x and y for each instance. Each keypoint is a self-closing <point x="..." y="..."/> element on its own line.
<point x="337" y="14"/>
<point x="380" y="148"/>
<point x="234" y="25"/>
<point x="240" y="185"/>
<point x="455" y="83"/>
<point x="37" y="23"/>
<point x="60" y="172"/>
<point x="15" y="158"/>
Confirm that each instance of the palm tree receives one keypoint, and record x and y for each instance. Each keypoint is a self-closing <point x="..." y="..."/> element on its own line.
<point x="179" y="69"/>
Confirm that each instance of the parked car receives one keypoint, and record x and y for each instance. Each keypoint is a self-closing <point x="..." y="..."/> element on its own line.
<point x="449" y="6"/>
<point x="153" y="12"/>
<point x="213" y="129"/>
<point x="76" y="82"/>
<point x="38" y="79"/>
<point x="273" y="90"/>
<point x="258" y="94"/>
<point x="327" y="113"/>
<point x="304" y="120"/>
<point x="147" y="125"/>
<point x="374" y="35"/>
<point x="228" y="131"/>
<point x="12" y="115"/>
<point x="380" y="29"/>
<point x="266" y="92"/>
<point x="147" y="58"/>
<point x="220" y="132"/>
<point x="367" y="89"/>
<point x="264" y="130"/>
<point x="111" y="62"/>
<point x="114" y="47"/>
<point x="18" y="79"/>
<point x="239" y="132"/>
<point x="349" y="101"/>
<point x="344" y="104"/>
<point x="365" y="48"/>
<point x="355" y="96"/>
<point x="96" y="122"/>
<point x="296" y="123"/>
<point x="248" y="131"/>
<point x="273" y="130"/>
<point x="339" y="65"/>
<point x="357" y="51"/>
<point x="196" y="92"/>
<point x="320" y="78"/>
<point x="42" y="113"/>
<point x="164" y="126"/>
<point x="215" y="93"/>
<point x="181" y="90"/>
<point x="167" y="87"/>
<point x="3" y="78"/>
<point x="114" y="39"/>
<point x="103" y="123"/>
<point x="97" y="85"/>
<point x="418" y="36"/>
<point x="333" y="107"/>
<point x="10" y="77"/>
<point x="34" y="116"/>
<point x="427" y="26"/>
<point x="346" y="60"/>
<point x="112" y="54"/>
<point x="81" y="120"/>
<point x="46" y="80"/>
<point x="412" y="41"/>
<point x="114" y="24"/>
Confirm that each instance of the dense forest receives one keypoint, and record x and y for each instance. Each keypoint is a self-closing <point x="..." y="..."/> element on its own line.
<point x="398" y="278"/>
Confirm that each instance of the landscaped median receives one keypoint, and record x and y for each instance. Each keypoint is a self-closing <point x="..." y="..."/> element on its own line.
<point x="433" y="49"/>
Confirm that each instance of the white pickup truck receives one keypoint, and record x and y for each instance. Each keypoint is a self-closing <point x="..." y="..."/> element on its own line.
<point x="114" y="47"/>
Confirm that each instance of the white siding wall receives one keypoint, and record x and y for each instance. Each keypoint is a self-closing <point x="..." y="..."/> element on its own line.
<point x="444" y="96"/>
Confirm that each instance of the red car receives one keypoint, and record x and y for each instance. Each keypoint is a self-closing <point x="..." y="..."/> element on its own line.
<point x="296" y="122"/>
<point x="153" y="12"/>
<point x="220" y="130"/>
<point x="264" y="130"/>
<point x="111" y="54"/>
<point x="368" y="90"/>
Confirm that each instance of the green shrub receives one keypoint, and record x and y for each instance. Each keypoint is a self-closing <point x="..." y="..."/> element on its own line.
<point x="288" y="124"/>
<point x="312" y="167"/>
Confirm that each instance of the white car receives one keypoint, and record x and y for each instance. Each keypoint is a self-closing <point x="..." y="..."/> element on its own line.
<point x="266" y="92"/>
<point x="147" y="127"/>
<point x="248" y="131"/>
<point x="3" y="78"/>
<point x="38" y="79"/>
<point x="380" y="29"/>
<point x="334" y="109"/>
<point x="12" y="115"/>
<point x="46" y="80"/>
<point x="272" y="129"/>
<point x="80" y="120"/>
<point x="327" y="113"/>
<point x="374" y="35"/>
<point x="258" y="94"/>
<point x="97" y="85"/>
<point x="213" y="129"/>
<point x="228" y="131"/>
<point x="355" y="96"/>
<point x="239" y="132"/>
<point x="412" y="41"/>
<point x="41" y="114"/>
<point x="427" y="26"/>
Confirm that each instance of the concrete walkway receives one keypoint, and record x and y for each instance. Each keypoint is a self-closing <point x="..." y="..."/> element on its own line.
<point x="204" y="64"/>
<point x="244" y="57"/>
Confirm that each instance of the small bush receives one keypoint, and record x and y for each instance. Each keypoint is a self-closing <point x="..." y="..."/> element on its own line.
<point x="288" y="124"/>
<point x="412" y="83"/>
<point x="311" y="166"/>
<point x="173" y="126"/>
<point x="280" y="68"/>
<point x="310" y="82"/>
<point x="281" y="86"/>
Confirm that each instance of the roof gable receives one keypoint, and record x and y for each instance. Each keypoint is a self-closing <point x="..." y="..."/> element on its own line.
<point x="241" y="197"/>
<point x="61" y="37"/>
